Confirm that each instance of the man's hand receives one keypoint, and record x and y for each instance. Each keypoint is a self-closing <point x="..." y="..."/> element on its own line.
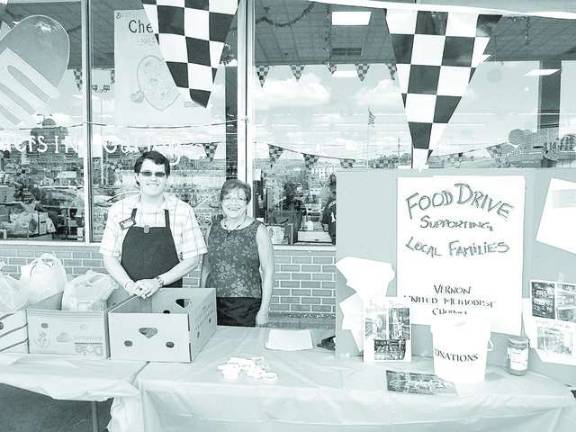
<point x="147" y="287"/>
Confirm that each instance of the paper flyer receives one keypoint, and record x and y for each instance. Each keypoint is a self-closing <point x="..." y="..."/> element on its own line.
<point x="557" y="221"/>
<point x="387" y="331"/>
<point x="550" y="321"/>
<point x="460" y="247"/>
<point x="418" y="383"/>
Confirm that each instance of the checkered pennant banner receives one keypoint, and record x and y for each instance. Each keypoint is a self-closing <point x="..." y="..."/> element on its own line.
<point x="262" y="72"/>
<point x="78" y="78"/>
<point x="297" y="71"/>
<point x="191" y="35"/>
<point x="362" y="70"/>
<point x="210" y="150"/>
<point x="347" y="163"/>
<point x="392" y="70"/>
<point x="436" y="56"/>
<point x="332" y="68"/>
<point x="274" y="152"/>
<point x="310" y="160"/>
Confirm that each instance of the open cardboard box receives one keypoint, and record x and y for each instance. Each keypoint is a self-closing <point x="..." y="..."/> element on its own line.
<point x="77" y="333"/>
<point x="172" y="326"/>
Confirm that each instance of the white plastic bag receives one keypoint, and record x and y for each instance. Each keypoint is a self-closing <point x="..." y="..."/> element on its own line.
<point x="13" y="296"/>
<point x="88" y="292"/>
<point x="43" y="277"/>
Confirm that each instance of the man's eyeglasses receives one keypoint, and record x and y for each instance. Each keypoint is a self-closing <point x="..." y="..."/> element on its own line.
<point x="159" y="174"/>
<point x="237" y="199"/>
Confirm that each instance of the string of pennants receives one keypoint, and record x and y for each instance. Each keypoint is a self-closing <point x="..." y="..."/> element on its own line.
<point x="362" y="69"/>
<point x="310" y="160"/>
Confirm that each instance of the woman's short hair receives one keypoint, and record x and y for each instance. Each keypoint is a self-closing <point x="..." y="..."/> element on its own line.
<point x="156" y="157"/>
<point x="233" y="184"/>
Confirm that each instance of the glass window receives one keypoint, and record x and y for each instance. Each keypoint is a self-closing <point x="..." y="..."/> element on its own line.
<point x="41" y="123"/>
<point x="327" y="97"/>
<point x="136" y="106"/>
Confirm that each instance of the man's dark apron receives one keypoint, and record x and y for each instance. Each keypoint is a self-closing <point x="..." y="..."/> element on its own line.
<point x="149" y="252"/>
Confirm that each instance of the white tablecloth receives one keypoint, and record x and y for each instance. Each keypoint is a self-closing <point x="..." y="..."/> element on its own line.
<point x="317" y="392"/>
<point x="67" y="378"/>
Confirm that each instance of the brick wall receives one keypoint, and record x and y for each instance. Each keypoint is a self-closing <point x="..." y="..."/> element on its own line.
<point x="304" y="281"/>
<point x="304" y="284"/>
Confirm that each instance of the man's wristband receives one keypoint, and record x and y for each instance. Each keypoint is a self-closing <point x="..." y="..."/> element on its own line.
<point x="160" y="281"/>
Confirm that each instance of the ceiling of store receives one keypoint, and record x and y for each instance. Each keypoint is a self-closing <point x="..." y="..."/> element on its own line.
<point x="300" y="32"/>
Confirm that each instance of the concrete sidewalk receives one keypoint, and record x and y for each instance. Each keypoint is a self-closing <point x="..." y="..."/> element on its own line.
<point x="24" y="411"/>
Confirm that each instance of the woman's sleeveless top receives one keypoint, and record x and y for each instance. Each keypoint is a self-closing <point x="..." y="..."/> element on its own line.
<point x="234" y="261"/>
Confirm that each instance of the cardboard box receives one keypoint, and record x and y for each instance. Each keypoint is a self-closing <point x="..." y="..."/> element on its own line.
<point x="83" y="334"/>
<point x="13" y="332"/>
<point x="171" y="326"/>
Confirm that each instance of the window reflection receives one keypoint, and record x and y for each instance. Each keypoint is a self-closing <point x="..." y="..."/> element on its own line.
<point x="136" y="107"/>
<point x="41" y="137"/>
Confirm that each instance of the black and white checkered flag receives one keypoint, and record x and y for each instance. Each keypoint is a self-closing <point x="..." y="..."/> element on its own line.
<point x="362" y="70"/>
<point x="274" y="152"/>
<point x="436" y="56"/>
<point x="332" y="68"/>
<point x="297" y="71"/>
<point x="191" y="35"/>
<point x="210" y="150"/>
<point x="310" y="160"/>
<point x="78" y="78"/>
<point x="347" y="163"/>
<point x="262" y="72"/>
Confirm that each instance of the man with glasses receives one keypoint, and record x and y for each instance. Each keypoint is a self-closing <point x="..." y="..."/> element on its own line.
<point x="151" y="240"/>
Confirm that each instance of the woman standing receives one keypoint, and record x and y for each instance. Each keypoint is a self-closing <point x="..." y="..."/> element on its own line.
<point x="240" y="261"/>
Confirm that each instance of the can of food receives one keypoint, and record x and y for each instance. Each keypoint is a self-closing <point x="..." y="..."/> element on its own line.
<point x="517" y="355"/>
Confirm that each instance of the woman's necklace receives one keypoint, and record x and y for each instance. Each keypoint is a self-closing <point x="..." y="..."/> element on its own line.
<point x="231" y="226"/>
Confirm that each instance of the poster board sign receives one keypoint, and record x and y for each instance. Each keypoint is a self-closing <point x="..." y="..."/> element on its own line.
<point x="146" y="94"/>
<point x="460" y="247"/>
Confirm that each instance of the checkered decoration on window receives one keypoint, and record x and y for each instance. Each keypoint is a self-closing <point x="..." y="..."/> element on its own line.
<point x="347" y="163"/>
<point x="191" y="35"/>
<point x="274" y="152"/>
<point x="310" y="160"/>
<point x="210" y="150"/>
<point x="262" y="72"/>
<point x="78" y="78"/>
<point x="297" y="71"/>
<point x="362" y="70"/>
<point x="436" y="56"/>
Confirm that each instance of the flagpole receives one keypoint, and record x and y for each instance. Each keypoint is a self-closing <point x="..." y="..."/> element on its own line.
<point x="367" y="142"/>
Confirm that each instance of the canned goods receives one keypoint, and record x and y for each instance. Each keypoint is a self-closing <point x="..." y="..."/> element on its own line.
<point x="517" y="355"/>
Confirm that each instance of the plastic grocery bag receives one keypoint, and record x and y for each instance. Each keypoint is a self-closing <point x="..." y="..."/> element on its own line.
<point x="43" y="277"/>
<point x="13" y="295"/>
<point x="88" y="292"/>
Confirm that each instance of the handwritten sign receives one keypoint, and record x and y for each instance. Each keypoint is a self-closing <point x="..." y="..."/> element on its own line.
<point x="460" y="247"/>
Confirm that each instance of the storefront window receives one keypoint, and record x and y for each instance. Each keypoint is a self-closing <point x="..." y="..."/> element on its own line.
<point x="328" y="96"/>
<point x="136" y="107"/>
<point x="325" y="99"/>
<point x="41" y="124"/>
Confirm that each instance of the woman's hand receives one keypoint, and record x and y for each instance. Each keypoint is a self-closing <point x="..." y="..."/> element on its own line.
<point x="262" y="317"/>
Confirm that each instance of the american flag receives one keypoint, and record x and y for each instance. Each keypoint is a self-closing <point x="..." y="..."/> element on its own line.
<point x="371" y="118"/>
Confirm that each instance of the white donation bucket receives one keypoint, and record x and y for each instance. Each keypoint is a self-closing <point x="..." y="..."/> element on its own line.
<point x="459" y="348"/>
